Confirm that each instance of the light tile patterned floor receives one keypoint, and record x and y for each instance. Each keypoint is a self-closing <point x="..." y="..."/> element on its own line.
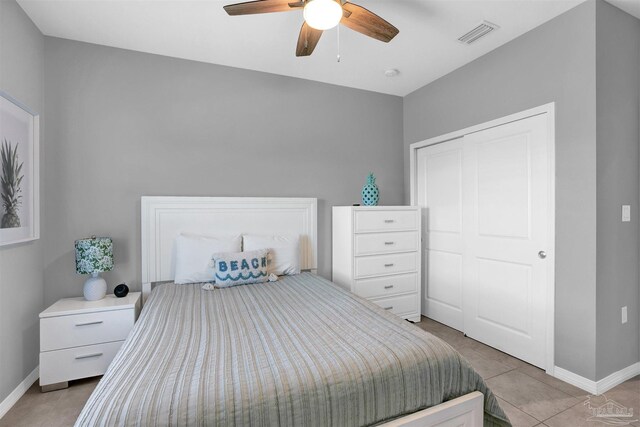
<point x="54" y="409"/>
<point x="528" y="395"/>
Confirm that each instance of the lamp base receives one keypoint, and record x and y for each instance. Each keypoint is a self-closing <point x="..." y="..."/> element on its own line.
<point x="95" y="288"/>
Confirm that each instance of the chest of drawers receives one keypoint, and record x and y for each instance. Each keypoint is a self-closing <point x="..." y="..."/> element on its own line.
<point x="376" y="255"/>
<point x="79" y="338"/>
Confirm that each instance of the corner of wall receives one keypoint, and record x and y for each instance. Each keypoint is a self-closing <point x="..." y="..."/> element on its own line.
<point x="618" y="183"/>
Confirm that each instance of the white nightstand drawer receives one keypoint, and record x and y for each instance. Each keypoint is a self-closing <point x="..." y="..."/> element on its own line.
<point x="387" y="285"/>
<point x="382" y="220"/>
<point x="73" y="363"/>
<point x="380" y="243"/>
<point x="406" y="304"/>
<point x="386" y="264"/>
<point x="84" y="329"/>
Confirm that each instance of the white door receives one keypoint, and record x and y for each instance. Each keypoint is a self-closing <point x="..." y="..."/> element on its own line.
<point x="503" y="183"/>
<point x="440" y="192"/>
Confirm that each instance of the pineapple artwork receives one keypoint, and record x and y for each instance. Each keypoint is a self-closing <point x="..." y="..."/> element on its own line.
<point x="10" y="184"/>
<point x="370" y="192"/>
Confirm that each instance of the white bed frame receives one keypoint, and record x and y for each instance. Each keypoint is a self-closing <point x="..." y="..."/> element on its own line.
<point x="164" y="218"/>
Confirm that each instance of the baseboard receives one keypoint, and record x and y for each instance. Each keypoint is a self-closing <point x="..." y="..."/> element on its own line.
<point x="601" y="386"/>
<point x="17" y="393"/>
<point x="575" y="379"/>
<point x="610" y="381"/>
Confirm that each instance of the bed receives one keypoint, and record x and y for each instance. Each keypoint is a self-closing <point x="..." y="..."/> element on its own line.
<point x="297" y="352"/>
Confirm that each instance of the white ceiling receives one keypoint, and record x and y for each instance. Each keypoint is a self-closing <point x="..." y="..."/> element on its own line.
<point x="632" y="7"/>
<point x="200" y="30"/>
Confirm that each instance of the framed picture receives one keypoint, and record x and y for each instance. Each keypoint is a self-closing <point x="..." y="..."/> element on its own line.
<point x="19" y="172"/>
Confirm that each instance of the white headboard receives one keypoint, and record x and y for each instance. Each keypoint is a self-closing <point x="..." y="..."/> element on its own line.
<point x="164" y="218"/>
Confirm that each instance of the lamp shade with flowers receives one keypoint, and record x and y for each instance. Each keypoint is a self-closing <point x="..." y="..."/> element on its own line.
<point x="94" y="256"/>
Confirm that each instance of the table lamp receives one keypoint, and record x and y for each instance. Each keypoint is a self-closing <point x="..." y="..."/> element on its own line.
<point x="93" y="256"/>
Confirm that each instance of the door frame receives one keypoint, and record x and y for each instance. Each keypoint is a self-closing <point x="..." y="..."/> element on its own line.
<point x="549" y="110"/>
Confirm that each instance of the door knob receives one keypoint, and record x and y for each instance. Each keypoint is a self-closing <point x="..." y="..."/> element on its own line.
<point x="542" y="254"/>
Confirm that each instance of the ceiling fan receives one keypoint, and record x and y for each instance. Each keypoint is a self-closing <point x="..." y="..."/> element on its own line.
<point x="320" y="15"/>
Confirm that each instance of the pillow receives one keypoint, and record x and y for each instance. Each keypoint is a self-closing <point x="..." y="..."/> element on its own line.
<point x="241" y="268"/>
<point x="193" y="256"/>
<point x="284" y="251"/>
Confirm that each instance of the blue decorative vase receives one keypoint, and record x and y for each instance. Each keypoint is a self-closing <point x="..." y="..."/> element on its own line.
<point x="370" y="192"/>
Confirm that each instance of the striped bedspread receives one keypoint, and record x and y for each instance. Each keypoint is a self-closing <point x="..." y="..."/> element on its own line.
<point x="297" y="352"/>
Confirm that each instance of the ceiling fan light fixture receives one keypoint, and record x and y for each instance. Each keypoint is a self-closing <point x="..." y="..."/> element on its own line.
<point x="322" y="14"/>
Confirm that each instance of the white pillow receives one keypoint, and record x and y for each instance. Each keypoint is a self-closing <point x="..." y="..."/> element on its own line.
<point x="193" y="256"/>
<point x="284" y="251"/>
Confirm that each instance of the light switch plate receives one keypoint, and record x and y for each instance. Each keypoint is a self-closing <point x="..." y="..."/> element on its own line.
<point x="624" y="314"/>
<point x="626" y="213"/>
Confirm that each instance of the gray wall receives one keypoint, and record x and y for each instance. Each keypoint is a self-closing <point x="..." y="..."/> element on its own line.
<point x="554" y="62"/>
<point x="21" y="75"/>
<point x="618" y="81"/>
<point x="127" y="124"/>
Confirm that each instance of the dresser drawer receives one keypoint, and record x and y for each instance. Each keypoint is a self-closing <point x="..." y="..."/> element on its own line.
<point x="73" y="363"/>
<point x="406" y="304"/>
<point x="376" y="265"/>
<point x="84" y="329"/>
<point x="381" y="220"/>
<point x="387" y="285"/>
<point x="380" y="243"/>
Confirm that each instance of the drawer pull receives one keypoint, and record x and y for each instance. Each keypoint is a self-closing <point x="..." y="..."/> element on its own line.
<point x="97" y="322"/>
<point x="389" y="265"/>
<point x="388" y="287"/>
<point x="389" y="243"/>
<point x="388" y="221"/>
<point x="87" y="356"/>
<point x="389" y="308"/>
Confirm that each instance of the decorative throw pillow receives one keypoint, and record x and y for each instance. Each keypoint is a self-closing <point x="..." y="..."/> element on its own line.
<point x="193" y="256"/>
<point x="284" y="251"/>
<point x="241" y="268"/>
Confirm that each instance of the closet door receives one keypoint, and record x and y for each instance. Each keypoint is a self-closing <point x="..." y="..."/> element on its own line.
<point x="485" y="200"/>
<point x="440" y="192"/>
<point x="506" y="192"/>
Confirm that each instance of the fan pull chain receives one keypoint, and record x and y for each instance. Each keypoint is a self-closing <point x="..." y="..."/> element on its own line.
<point x="338" y="43"/>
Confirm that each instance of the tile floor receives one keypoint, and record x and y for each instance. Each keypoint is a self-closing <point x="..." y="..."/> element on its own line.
<point x="58" y="408"/>
<point x="528" y="395"/>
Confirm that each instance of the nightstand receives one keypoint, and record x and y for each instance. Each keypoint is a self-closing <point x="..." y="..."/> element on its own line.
<point x="79" y="338"/>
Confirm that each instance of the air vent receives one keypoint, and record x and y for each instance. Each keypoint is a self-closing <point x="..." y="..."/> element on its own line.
<point x="481" y="30"/>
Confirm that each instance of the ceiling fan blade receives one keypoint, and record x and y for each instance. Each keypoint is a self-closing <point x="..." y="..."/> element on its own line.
<point x="262" y="6"/>
<point x="307" y="40"/>
<point x="367" y="23"/>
